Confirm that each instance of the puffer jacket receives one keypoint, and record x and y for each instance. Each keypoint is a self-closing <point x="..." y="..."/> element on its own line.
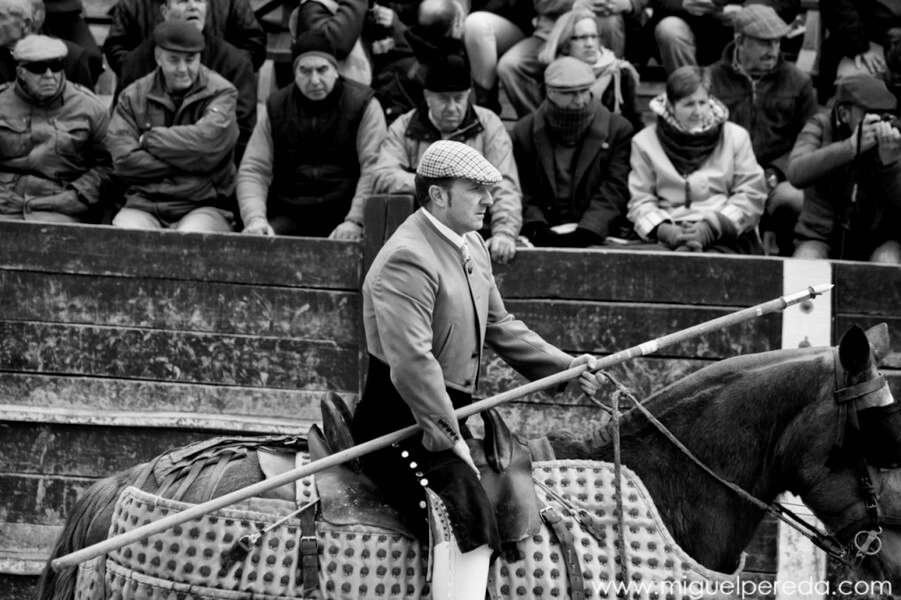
<point x="48" y="148"/>
<point x="412" y="133"/>
<point x="773" y="108"/>
<point x="175" y="159"/>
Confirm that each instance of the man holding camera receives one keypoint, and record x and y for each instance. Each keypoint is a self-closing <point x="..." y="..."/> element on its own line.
<point x="849" y="161"/>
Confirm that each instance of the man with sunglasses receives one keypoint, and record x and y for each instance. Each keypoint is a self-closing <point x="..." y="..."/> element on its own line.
<point x="53" y="154"/>
<point x="172" y="137"/>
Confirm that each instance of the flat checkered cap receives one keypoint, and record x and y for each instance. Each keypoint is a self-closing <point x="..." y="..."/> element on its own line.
<point x="445" y="158"/>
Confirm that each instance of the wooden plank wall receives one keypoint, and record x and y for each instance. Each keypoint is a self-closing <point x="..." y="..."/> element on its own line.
<point x="116" y="345"/>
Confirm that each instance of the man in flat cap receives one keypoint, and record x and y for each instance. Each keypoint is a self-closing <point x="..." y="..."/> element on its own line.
<point x="573" y="159"/>
<point x="309" y="165"/>
<point x="429" y="304"/>
<point x="449" y="114"/>
<point x="848" y="160"/>
<point x="53" y="154"/>
<point x="772" y="99"/>
<point x="172" y="137"/>
<point x="218" y="55"/>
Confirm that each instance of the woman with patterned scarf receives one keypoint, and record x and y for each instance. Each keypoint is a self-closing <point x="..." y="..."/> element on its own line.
<point x="576" y="34"/>
<point x="695" y="184"/>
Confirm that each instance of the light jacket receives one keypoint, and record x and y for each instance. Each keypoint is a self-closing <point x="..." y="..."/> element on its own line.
<point x="772" y="108"/>
<point x="428" y="318"/>
<point x="412" y="133"/>
<point x="175" y="159"/>
<point x="730" y="182"/>
<point x="53" y="147"/>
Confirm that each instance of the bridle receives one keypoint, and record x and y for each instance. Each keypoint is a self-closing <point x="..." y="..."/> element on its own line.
<point x="861" y="537"/>
<point x="855" y="541"/>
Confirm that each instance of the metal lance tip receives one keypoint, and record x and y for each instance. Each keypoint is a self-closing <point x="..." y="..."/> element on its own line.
<point x="819" y="290"/>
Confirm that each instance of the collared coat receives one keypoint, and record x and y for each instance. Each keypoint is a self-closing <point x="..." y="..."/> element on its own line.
<point x="412" y="133"/>
<point x="175" y="159"/>
<point x="600" y="179"/>
<point x="427" y="317"/>
<point x="54" y="147"/>
<point x="773" y="108"/>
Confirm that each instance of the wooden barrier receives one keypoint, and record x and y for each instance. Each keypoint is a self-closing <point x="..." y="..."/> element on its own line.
<point x="116" y="345"/>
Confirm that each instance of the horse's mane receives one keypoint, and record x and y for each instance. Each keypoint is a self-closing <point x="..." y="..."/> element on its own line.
<point x="772" y="381"/>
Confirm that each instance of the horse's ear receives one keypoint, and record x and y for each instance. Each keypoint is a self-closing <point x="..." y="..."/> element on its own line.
<point x="854" y="349"/>
<point x="879" y="342"/>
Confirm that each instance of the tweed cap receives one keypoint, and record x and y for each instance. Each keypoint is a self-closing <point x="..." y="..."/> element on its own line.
<point x="865" y="91"/>
<point x="447" y="159"/>
<point x="568" y="73"/>
<point x="37" y="48"/>
<point x="759" y="21"/>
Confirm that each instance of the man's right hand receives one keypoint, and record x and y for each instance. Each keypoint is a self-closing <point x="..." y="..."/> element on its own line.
<point x="462" y="450"/>
<point x="868" y="139"/>
<point x="698" y="8"/>
<point x="259" y="227"/>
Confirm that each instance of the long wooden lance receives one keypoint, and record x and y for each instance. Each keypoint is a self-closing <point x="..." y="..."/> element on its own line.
<point x="384" y="441"/>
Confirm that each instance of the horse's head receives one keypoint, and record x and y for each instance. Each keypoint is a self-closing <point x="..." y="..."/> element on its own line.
<point x="849" y="475"/>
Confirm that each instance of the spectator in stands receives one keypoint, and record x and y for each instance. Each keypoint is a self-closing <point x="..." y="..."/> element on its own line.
<point x="695" y="183"/>
<point x="491" y="29"/>
<point x="694" y="32"/>
<point x="861" y="32"/>
<point x="218" y="55"/>
<point x="25" y="17"/>
<point x="519" y="70"/>
<point x="614" y="18"/>
<point x="309" y="164"/>
<point x="573" y="159"/>
<point x="53" y="155"/>
<point x="848" y="161"/>
<point x="576" y="34"/>
<point x="172" y="137"/>
<point x="450" y="115"/>
<point x="64" y="19"/>
<point x="230" y="20"/>
<point x="772" y="99"/>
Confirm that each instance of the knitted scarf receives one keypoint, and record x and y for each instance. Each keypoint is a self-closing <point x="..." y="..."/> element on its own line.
<point x="688" y="150"/>
<point x="568" y="125"/>
<point x="609" y="69"/>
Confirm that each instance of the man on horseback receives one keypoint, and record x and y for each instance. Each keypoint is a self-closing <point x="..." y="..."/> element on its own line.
<point x="429" y="304"/>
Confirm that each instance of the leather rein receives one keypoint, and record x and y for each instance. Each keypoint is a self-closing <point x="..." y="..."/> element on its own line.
<point x="853" y="542"/>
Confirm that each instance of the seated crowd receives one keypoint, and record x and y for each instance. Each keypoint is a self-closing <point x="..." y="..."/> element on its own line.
<point x="740" y="158"/>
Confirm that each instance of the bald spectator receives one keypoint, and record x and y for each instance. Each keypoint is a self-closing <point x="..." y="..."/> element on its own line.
<point x="230" y="20"/>
<point x="25" y="17"/>
<point x="172" y="137"/>
<point x="772" y="99"/>
<point x="53" y="156"/>
<point x="309" y="164"/>
<point x="218" y="55"/>
<point x="448" y="114"/>
<point x="573" y="159"/>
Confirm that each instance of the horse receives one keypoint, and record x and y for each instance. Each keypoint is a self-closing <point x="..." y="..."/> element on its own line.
<point x="765" y="422"/>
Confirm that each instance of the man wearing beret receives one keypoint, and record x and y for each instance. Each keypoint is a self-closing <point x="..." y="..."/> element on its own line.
<point x="172" y="137"/>
<point x="848" y="160"/>
<point x="217" y="55"/>
<point x="429" y="304"/>
<point x="309" y="164"/>
<point x="450" y="115"/>
<point x="772" y="99"/>
<point x="573" y="159"/>
<point x="53" y="154"/>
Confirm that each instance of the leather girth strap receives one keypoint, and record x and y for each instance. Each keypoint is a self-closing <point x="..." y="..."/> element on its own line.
<point x="309" y="552"/>
<point x="567" y="547"/>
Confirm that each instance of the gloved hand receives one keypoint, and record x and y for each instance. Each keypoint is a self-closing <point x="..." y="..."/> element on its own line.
<point x="670" y="235"/>
<point x="540" y="234"/>
<point x="578" y="238"/>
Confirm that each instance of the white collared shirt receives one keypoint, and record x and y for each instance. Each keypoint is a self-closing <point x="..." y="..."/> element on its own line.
<point x="449" y="233"/>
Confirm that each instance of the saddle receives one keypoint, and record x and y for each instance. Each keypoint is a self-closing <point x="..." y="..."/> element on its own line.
<point x="349" y="497"/>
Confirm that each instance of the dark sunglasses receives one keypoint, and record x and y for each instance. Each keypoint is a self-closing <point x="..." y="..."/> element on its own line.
<point x="40" y="67"/>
